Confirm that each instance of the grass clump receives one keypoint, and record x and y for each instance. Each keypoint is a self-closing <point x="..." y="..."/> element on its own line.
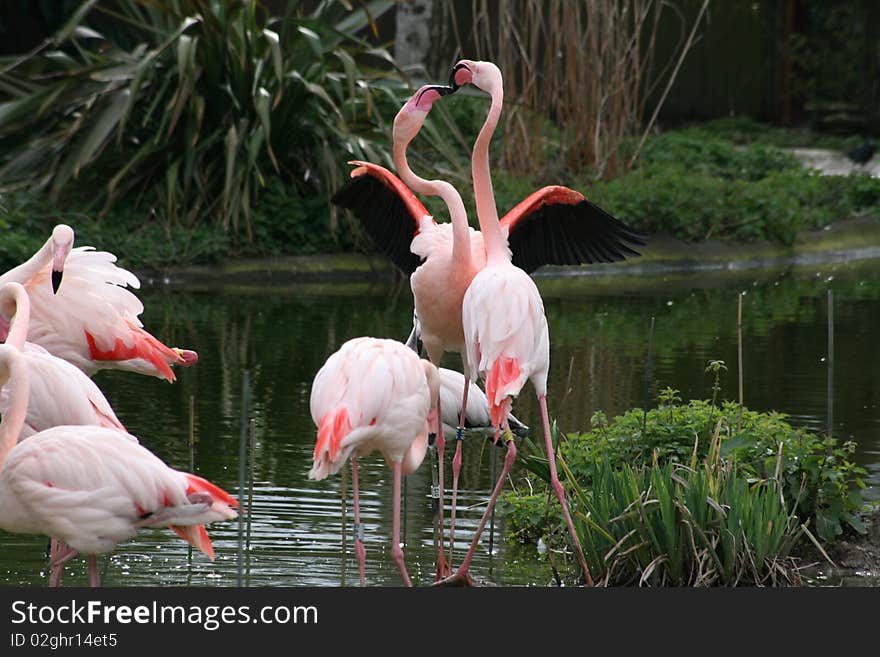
<point x="696" y="493"/>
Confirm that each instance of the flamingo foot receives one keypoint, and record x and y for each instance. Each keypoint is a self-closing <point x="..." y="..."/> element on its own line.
<point x="460" y="578"/>
<point x="443" y="569"/>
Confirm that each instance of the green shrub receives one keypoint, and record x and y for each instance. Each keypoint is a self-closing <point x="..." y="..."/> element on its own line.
<point x="816" y="471"/>
<point x="813" y="477"/>
<point x="185" y="108"/>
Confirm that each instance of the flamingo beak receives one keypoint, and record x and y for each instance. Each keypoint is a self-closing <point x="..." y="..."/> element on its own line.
<point x="56" y="280"/>
<point x="441" y="89"/>
<point x="58" y="259"/>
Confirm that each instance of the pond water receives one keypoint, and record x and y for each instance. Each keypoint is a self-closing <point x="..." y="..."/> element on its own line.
<point x="281" y="334"/>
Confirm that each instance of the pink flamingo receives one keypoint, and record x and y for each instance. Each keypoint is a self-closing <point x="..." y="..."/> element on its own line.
<point x="505" y="327"/>
<point x="59" y="392"/>
<point x="373" y="394"/>
<point x="450" y="254"/>
<point x="92" y="319"/>
<point x="555" y="225"/>
<point x="92" y="487"/>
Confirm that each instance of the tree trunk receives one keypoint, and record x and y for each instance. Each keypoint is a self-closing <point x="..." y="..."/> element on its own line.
<point x="413" y="39"/>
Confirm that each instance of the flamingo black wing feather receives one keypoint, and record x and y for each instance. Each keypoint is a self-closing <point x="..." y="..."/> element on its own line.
<point x="389" y="217"/>
<point x="558" y="226"/>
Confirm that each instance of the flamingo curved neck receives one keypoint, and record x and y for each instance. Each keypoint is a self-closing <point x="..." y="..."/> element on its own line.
<point x="19" y="322"/>
<point x="461" y="243"/>
<point x="31" y="266"/>
<point x="484" y="195"/>
<point x="13" y="419"/>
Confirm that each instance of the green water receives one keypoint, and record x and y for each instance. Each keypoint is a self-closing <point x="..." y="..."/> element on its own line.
<point x="599" y="327"/>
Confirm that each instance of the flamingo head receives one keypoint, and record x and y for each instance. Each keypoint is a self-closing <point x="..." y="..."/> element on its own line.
<point x="411" y="117"/>
<point x="62" y="243"/>
<point x="483" y="75"/>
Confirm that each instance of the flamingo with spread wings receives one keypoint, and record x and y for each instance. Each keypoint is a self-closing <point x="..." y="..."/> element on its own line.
<point x="82" y="310"/>
<point x="92" y="487"/>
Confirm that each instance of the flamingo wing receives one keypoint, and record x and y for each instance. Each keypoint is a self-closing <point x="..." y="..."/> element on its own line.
<point x="559" y="226"/>
<point x="387" y="209"/>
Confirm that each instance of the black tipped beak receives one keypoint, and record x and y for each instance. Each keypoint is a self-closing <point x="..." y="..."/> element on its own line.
<point x="455" y="69"/>
<point x="56" y="280"/>
<point x="441" y="89"/>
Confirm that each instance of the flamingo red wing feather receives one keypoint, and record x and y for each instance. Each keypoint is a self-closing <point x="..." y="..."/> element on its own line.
<point x="387" y="209"/>
<point x="559" y="226"/>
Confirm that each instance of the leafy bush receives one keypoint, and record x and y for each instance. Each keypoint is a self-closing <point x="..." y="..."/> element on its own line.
<point x="815" y="471"/>
<point x="282" y="223"/>
<point x="699" y="202"/>
<point x="745" y="130"/>
<point x="813" y="477"/>
<point x="187" y="107"/>
<point x="679" y="526"/>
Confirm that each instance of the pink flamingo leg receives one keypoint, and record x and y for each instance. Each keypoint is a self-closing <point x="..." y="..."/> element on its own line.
<point x="396" y="550"/>
<point x="456" y="464"/>
<point x="461" y="577"/>
<point x="94" y="577"/>
<point x="61" y="554"/>
<point x="557" y="488"/>
<point x="55" y="569"/>
<point x="359" y="550"/>
<point x="442" y="566"/>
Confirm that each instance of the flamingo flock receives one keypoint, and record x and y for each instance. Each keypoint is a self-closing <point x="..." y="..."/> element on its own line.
<point x="68" y="467"/>
<point x="70" y="470"/>
<point x="471" y="289"/>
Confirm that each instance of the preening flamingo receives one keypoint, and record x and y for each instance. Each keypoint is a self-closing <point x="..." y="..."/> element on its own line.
<point x="373" y="394"/>
<point x="59" y="392"/>
<point x="92" y="487"/>
<point x="89" y="317"/>
<point x="505" y="327"/>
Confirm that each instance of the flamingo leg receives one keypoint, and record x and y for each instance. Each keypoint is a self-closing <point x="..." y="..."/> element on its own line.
<point x="461" y="576"/>
<point x="396" y="550"/>
<point x="442" y="566"/>
<point x="94" y="576"/>
<point x="456" y="464"/>
<point x="560" y="492"/>
<point x="55" y="569"/>
<point x="359" y="550"/>
<point x="62" y="554"/>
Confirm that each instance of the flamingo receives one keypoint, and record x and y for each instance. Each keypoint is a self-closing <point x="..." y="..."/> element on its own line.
<point x="373" y="394"/>
<point x="59" y="392"/>
<point x="554" y="225"/>
<point x="92" y="487"/>
<point x="91" y="320"/>
<point x="503" y="317"/>
<point x="449" y="254"/>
